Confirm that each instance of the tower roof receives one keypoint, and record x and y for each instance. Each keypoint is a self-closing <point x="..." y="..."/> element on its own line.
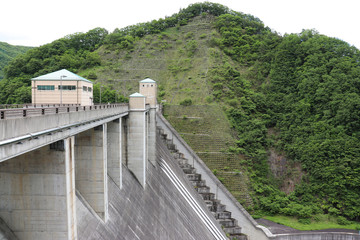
<point x="147" y="80"/>
<point x="63" y="75"/>
<point x="136" y="95"/>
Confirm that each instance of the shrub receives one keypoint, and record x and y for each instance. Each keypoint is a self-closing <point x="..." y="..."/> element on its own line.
<point x="203" y="35"/>
<point x="209" y="99"/>
<point x="342" y="221"/>
<point x="186" y="102"/>
<point x="306" y="221"/>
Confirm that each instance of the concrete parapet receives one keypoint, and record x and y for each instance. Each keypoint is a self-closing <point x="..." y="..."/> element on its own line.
<point x="12" y="128"/>
<point x="317" y="236"/>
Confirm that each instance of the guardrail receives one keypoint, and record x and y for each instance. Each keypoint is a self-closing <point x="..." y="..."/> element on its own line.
<point x="30" y="111"/>
<point x="30" y="105"/>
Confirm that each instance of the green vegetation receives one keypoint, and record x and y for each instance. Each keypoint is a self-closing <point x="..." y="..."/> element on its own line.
<point x="318" y="222"/>
<point x="294" y="97"/>
<point x="73" y="52"/>
<point x="8" y="52"/>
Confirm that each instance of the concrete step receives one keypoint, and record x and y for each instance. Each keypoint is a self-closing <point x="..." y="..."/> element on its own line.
<point x="182" y="161"/>
<point x="222" y="215"/>
<point x="194" y="176"/>
<point x="186" y="165"/>
<point x="233" y="230"/>
<point x="178" y="155"/>
<point x="219" y="207"/>
<point x="200" y="183"/>
<point x="207" y="196"/>
<point x="238" y="237"/>
<point x="189" y="170"/>
<point x="230" y="222"/>
<point x="171" y="146"/>
<point x="204" y="189"/>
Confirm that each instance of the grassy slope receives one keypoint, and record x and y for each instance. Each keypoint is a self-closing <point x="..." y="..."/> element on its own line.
<point x="181" y="74"/>
<point x="8" y="52"/>
<point x="323" y="222"/>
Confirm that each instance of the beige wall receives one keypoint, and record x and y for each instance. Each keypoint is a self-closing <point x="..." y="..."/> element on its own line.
<point x="137" y="103"/>
<point x="149" y="91"/>
<point x="77" y="96"/>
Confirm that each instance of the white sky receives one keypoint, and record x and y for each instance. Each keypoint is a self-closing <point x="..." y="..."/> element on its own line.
<point x="37" y="22"/>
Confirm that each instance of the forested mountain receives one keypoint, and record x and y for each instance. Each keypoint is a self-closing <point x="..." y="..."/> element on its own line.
<point x="293" y="97"/>
<point x="8" y="52"/>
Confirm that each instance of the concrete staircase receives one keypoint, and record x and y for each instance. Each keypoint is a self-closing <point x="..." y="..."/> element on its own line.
<point x="229" y="224"/>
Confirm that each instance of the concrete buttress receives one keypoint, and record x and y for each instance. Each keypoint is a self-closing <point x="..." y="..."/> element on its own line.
<point x="37" y="197"/>
<point x="114" y="150"/>
<point x="91" y="168"/>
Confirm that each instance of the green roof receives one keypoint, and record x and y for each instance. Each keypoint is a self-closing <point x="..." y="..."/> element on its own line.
<point x="63" y="75"/>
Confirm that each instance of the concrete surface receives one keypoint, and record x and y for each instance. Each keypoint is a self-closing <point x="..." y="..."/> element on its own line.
<point x="157" y="212"/>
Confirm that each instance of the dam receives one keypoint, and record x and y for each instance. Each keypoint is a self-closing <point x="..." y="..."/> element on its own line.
<point x="113" y="171"/>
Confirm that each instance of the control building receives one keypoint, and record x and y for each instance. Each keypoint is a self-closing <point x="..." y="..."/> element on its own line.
<point x="61" y="87"/>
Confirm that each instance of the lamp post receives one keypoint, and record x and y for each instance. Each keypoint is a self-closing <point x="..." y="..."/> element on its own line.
<point x="100" y="93"/>
<point x="61" y="77"/>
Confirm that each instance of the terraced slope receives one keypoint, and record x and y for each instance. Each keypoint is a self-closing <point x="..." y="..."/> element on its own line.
<point x="206" y="129"/>
<point x="178" y="59"/>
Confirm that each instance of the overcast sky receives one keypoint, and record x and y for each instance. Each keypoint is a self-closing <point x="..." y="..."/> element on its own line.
<point x="37" y="22"/>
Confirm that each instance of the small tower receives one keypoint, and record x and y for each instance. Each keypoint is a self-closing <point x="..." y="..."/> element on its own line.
<point x="148" y="88"/>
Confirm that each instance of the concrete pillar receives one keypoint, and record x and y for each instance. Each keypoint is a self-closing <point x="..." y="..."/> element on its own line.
<point x="124" y="140"/>
<point x="114" y="150"/>
<point x="152" y="136"/>
<point x="148" y="88"/>
<point x="69" y="146"/>
<point x="137" y="137"/>
<point x="37" y="194"/>
<point x="91" y="168"/>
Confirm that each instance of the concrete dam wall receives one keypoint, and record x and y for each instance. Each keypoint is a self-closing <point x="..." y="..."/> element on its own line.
<point x="157" y="211"/>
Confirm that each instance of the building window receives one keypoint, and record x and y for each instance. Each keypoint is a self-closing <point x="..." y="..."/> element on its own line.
<point x="45" y="87"/>
<point x="89" y="89"/>
<point x="85" y="88"/>
<point x="67" y="87"/>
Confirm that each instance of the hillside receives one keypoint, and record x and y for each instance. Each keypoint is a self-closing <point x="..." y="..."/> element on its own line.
<point x="8" y="52"/>
<point x="274" y="117"/>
